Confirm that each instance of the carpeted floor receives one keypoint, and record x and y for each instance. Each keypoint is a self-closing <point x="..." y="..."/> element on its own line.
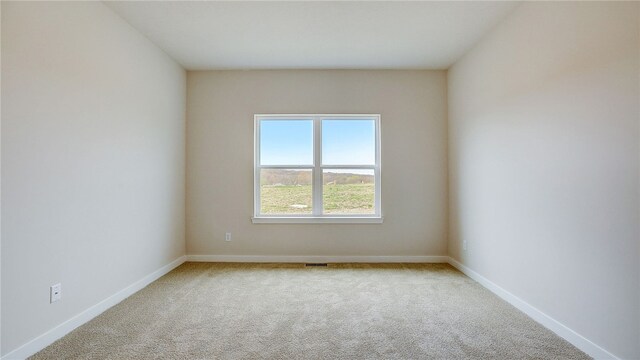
<point x="346" y="311"/>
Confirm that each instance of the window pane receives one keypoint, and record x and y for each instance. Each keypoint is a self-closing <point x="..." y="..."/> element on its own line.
<point x="286" y="142"/>
<point x="348" y="142"/>
<point x="348" y="191"/>
<point x="284" y="191"/>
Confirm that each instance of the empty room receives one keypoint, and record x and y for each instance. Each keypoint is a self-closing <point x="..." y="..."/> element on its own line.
<point x="320" y="180"/>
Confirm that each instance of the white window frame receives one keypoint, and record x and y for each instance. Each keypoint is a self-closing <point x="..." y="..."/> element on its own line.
<point x="316" y="169"/>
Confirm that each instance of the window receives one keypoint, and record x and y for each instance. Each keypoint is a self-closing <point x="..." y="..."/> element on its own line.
<point x="317" y="168"/>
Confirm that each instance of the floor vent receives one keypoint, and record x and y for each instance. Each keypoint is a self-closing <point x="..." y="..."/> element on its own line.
<point x="315" y="264"/>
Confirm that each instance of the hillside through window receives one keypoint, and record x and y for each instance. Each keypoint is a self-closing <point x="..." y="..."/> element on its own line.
<point x="317" y="167"/>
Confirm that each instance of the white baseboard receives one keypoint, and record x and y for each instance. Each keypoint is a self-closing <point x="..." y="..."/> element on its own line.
<point x="66" y="327"/>
<point x="61" y="330"/>
<point x="317" y="259"/>
<point x="545" y="320"/>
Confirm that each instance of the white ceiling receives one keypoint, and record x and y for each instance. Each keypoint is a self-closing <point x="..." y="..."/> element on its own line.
<point x="313" y="35"/>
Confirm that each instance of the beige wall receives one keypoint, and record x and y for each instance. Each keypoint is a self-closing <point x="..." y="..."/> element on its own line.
<point x="220" y="108"/>
<point x="544" y="161"/>
<point x="92" y="161"/>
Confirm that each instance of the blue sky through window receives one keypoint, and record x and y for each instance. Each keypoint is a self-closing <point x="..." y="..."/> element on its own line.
<point x="348" y="142"/>
<point x="286" y="142"/>
<point x="344" y="142"/>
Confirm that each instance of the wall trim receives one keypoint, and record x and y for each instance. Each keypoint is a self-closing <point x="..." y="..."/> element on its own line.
<point x="316" y="259"/>
<point x="545" y="320"/>
<point x="66" y="327"/>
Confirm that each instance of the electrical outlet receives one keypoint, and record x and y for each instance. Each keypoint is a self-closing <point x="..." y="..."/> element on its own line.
<point x="464" y="245"/>
<point x="227" y="237"/>
<point x="56" y="292"/>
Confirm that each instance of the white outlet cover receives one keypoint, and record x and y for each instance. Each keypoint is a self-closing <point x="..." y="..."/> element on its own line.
<point x="56" y="292"/>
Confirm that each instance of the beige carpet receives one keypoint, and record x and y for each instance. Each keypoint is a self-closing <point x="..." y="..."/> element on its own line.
<point x="250" y="311"/>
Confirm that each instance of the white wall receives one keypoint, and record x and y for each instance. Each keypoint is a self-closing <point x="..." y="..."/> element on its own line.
<point x="93" y="138"/>
<point x="220" y="109"/>
<point x="544" y="165"/>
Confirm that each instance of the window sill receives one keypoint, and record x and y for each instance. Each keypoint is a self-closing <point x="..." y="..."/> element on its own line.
<point x="317" y="220"/>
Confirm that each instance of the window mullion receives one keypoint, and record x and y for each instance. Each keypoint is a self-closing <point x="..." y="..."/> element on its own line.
<point x="317" y="170"/>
